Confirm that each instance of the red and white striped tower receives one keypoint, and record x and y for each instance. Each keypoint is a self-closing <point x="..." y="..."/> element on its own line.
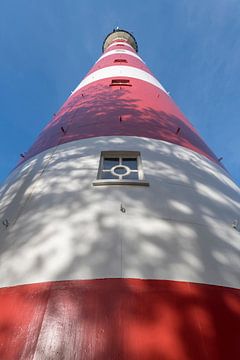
<point x="94" y="266"/>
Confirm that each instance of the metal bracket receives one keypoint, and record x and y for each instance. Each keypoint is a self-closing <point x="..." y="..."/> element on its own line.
<point x="236" y="225"/>
<point x="5" y="223"/>
<point x="122" y="209"/>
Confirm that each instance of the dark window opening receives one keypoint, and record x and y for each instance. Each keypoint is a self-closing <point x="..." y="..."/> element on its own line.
<point x="120" y="61"/>
<point x="108" y="163"/>
<point x="130" y="162"/>
<point x="123" y="82"/>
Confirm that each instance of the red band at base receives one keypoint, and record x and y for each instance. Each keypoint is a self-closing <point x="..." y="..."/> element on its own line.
<point x="119" y="319"/>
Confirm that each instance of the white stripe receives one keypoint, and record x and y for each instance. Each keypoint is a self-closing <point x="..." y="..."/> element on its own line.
<point x="124" y="52"/>
<point x="179" y="228"/>
<point x="120" y="43"/>
<point x="122" y="71"/>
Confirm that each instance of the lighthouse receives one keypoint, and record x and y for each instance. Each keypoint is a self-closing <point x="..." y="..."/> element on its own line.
<point x="120" y="229"/>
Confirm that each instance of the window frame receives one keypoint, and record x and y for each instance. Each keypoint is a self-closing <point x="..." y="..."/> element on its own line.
<point x="120" y="82"/>
<point x="119" y="181"/>
<point x="120" y="61"/>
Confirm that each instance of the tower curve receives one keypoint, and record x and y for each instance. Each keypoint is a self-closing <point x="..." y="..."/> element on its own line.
<point x="120" y="231"/>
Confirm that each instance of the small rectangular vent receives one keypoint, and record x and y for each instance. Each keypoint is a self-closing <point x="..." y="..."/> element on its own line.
<point x="120" y="61"/>
<point x="120" y="82"/>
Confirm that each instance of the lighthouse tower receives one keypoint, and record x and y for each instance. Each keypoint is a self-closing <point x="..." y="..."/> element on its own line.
<point x="120" y="229"/>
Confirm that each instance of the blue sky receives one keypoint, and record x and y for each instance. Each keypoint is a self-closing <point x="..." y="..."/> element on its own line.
<point x="192" y="47"/>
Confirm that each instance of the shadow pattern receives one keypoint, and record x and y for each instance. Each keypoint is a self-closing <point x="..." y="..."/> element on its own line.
<point x="102" y="110"/>
<point x="119" y="319"/>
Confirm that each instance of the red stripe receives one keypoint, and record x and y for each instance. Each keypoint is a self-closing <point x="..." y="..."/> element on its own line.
<point x="119" y="46"/>
<point x="95" y="110"/>
<point x="109" y="61"/>
<point x="120" y="319"/>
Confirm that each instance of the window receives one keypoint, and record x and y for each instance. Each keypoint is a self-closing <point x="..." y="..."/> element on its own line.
<point x="120" y="168"/>
<point x="120" y="82"/>
<point x="120" y="61"/>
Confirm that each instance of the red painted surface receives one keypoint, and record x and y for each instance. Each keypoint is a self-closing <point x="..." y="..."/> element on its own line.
<point x="109" y="61"/>
<point x="119" y="46"/>
<point x="145" y="110"/>
<point x="95" y="110"/>
<point x="120" y="319"/>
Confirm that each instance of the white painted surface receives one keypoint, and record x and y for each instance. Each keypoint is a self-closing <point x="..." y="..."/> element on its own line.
<point x="62" y="227"/>
<point x="121" y="71"/>
<point x="120" y="52"/>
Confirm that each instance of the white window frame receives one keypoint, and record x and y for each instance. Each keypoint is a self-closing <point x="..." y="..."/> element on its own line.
<point x="121" y="181"/>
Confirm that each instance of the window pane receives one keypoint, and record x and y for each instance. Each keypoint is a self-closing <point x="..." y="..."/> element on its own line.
<point x="120" y="170"/>
<point x="130" y="162"/>
<point x="107" y="175"/>
<point x="132" y="176"/>
<point x="120" y="61"/>
<point x="120" y="81"/>
<point x="108" y="163"/>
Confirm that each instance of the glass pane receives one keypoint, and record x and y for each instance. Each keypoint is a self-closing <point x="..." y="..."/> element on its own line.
<point x="130" y="162"/>
<point x="120" y="170"/>
<point x="108" y="163"/>
<point x="132" y="176"/>
<point x="108" y="175"/>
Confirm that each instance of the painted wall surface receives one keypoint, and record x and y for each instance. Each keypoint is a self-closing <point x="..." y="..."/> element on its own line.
<point x="80" y="279"/>
<point x="63" y="228"/>
<point x="95" y="107"/>
<point x="179" y="228"/>
<point x="119" y="319"/>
